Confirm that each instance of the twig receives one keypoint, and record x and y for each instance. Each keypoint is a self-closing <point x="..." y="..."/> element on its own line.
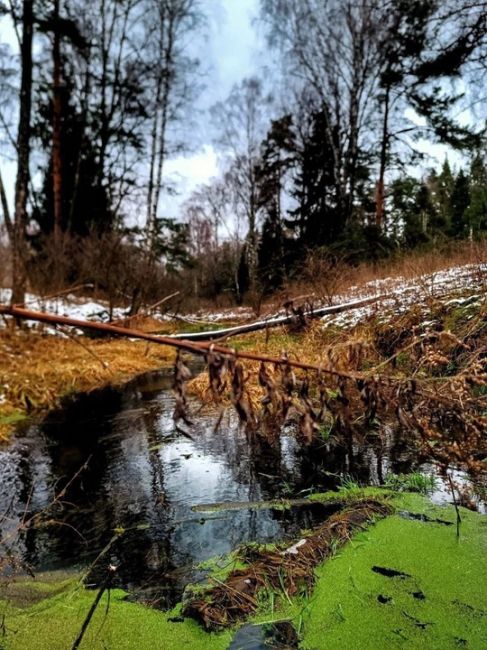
<point x="60" y="293"/>
<point x="89" y="616"/>
<point x="459" y="519"/>
<point x="103" y="363"/>
<point x="146" y="311"/>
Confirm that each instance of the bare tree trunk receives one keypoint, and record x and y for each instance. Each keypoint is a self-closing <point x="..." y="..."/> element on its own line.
<point x="166" y="36"/>
<point x="379" y="197"/>
<point x="161" y="154"/>
<point x="19" y="253"/>
<point x="84" y="120"/>
<point x="5" y="209"/>
<point x="251" y="245"/>
<point x="56" y="129"/>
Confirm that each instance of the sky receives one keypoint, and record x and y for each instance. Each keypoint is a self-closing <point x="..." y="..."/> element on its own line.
<point x="232" y="50"/>
<point x="232" y="47"/>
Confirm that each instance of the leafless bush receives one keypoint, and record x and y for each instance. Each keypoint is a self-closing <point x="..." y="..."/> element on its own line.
<point x="326" y="274"/>
<point x="116" y="267"/>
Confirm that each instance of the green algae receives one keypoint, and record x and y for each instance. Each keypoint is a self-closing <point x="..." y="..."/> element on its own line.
<point x="440" y="602"/>
<point x="436" y="598"/>
<point x="54" y="623"/>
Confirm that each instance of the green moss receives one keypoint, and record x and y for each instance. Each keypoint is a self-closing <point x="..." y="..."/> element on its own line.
<point x="54" y="623"/>
<point x="350" y="494"/>
<point x="440" y="604"/>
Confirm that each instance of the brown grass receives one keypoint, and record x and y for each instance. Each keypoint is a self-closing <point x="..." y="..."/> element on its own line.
<point x="323" y="279"/>
<point x="37" y="370"/>
<point x="424" y="370"/>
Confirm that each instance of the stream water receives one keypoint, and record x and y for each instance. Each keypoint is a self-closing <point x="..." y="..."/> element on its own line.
<point x="132" y="503"/>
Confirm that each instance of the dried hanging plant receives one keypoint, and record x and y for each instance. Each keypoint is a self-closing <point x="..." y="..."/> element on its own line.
<point x="182" y="374"/>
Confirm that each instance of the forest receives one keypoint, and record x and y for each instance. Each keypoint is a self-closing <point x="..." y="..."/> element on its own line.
<point x="243" y="324"/>
<point x="319" y="155"/>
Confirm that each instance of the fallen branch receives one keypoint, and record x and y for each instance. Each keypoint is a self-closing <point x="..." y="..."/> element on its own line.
<point x="276" y="504"/>
<point x="275" y="321"/>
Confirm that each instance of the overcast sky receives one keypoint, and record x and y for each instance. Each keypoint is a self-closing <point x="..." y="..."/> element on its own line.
<point x="232" y="50"/>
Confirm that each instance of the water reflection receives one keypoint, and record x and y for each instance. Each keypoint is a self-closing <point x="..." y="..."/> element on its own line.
<point x="132" y="503"/>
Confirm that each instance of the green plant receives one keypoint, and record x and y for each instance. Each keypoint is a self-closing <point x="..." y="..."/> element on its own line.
<point x="347" y="482"/>
<point x="325" y="431"/>
<point x="414" y="482"/>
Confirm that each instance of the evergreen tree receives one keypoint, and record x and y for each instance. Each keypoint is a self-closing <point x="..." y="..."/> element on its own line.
<point x="443" y="193"/>
<point x="85" y="201"/>
<point x="476" y="213"/>
<point x="460" y="201"/>
<point x="278" y="151"/>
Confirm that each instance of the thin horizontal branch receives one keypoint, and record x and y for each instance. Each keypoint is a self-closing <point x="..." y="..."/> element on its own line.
<point x="196" y="348"/>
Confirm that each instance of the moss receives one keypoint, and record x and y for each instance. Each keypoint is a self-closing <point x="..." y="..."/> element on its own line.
<point x="54" y="623"/>
<point x="9" y="417"/>
<point x="349" y="494"/>
<point x="439" y="604"/>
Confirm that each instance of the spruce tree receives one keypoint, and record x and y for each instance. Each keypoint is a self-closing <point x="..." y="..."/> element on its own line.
<point x="460" y="200"/>
<point x="476" y="213"/>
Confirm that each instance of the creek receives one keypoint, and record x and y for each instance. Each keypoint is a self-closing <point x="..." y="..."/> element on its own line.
<point x="132" y="504"/>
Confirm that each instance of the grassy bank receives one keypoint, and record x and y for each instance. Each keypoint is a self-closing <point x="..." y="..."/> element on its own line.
<point x="37" y="371"/>
<point x="404" y="582"/>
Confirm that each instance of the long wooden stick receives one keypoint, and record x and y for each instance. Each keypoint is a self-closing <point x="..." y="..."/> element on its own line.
<point x="201" y="348"/>
<point x="276" y="321"/>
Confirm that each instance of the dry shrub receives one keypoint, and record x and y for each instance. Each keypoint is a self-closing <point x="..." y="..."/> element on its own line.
<point x="110" y="266"/>
<point x="426" y="380"/>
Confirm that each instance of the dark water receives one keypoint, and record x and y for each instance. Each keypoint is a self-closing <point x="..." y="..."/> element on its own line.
<point x="278" y="636"/>
<point x="132" y="504"/>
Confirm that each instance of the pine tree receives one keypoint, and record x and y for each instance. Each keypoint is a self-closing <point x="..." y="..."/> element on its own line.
<point x="460" y="200"/>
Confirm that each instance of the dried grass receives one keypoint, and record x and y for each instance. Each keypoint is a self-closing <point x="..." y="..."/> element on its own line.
<point x="425" y="373"/>
<point x="37" y="370"/>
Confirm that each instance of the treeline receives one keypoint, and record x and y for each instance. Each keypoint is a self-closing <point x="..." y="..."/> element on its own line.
<point x="91" y="108"/>
<point x="319" y="154"/>
<point x="338" y="169"/>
